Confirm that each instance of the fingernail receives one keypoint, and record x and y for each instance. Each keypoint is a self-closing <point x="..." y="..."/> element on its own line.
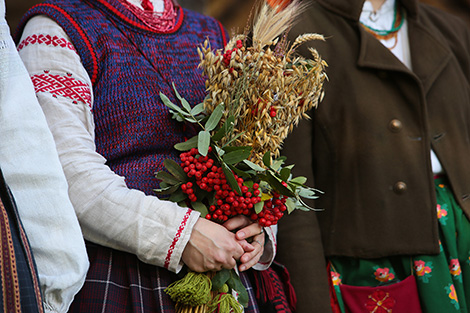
<point x="241" y="235"/>
<point x="242" y="268"/>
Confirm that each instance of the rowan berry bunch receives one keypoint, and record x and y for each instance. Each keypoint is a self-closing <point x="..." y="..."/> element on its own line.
<point x="207" y="176"/>
<point x="273" y="210"/>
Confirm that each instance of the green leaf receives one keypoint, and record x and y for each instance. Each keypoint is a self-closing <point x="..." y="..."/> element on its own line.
<point x="248" y="183"/>
<point x="167" y="178"/>
<point x="228" y="149"/>
<point x="185" y="103"/>
<point x="178" y="196"/>
<point x="198" y="109"/>
<point x="308" y="193"/>
<point x="290" y="204"/>
<point x="170" y="104"/>
<point x="187" y="145"/>
<point x="259" y="207"/>
<point x="167" y="191"/>
<point x="254" y="166"/>
<point x="237" y="155"/>
<point x="231" y="179"/>
<point x="276" y="165"/>
<point x="214" y="118"/>
<point x="302" y="205"/>
<point x="300" y="180"/>
<point x="235" y="283"/>
<point x="164" y="185"/>
<point x="220" y="279"/>
<point x="176" y="170"/>
<point x="241" y="173"/>
<point x="225" y="129"/>
<point x="204" y="141"/>
<point x="200" y="207"/>
<point x="267" y="159"/>
<point x="285" y="173"/>
<point x="220" y="152"/>
<point x="276" y="184"/>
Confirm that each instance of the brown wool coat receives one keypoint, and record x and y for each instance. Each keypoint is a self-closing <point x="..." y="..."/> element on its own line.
<point x="368" y="144"/>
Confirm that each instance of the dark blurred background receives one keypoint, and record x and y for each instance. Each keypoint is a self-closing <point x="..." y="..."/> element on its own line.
<point x="232" y="13"/>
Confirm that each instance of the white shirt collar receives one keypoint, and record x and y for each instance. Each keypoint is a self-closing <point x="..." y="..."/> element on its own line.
<point x="383" y="18"/>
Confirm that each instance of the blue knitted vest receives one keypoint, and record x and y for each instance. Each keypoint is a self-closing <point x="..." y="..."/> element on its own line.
<point x="129" y="65"/>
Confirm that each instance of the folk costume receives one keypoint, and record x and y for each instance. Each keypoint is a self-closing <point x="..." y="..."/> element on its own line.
<point x="35" y="179"/>
<point x="98" y="67"/>
<point x="395" y="114"/>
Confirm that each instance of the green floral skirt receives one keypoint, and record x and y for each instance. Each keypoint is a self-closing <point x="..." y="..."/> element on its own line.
<point x="443" y="280"/>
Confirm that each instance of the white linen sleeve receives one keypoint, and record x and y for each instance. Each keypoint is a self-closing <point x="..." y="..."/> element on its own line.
<point x="109" y="213"/>
<point x="32" y="170"/>
<point x="270" y="248"/>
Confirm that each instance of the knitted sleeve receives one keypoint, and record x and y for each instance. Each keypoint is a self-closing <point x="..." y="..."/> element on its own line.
<point x="109" y="212"/>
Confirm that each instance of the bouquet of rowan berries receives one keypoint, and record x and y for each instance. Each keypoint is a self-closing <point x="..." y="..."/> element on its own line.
<point x="258" y="90"/>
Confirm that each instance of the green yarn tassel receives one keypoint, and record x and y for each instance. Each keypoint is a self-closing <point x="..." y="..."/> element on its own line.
<point x="224" y="303"/>
<point x="192" y="290"/>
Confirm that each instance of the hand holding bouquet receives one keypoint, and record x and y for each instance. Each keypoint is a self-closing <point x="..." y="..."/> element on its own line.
<point x="258" y="91"/>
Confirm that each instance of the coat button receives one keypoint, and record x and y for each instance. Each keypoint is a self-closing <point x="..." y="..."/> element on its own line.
<point x="399" y="188"/>
<point x="395" y="125"/>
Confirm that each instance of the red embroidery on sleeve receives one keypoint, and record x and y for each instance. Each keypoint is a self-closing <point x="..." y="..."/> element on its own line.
<point x="62" y="85"/>
<point x="177" y="237"/>
<point x="46" y="40"/>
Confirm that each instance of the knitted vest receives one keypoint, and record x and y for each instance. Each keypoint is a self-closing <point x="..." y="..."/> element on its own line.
<point x="129" y="65"/>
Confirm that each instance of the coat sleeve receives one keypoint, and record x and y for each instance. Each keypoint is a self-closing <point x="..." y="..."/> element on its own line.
<point x="300" y="247"/>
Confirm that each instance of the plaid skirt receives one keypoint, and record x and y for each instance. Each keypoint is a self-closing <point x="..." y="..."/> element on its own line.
<point x="119" y="282"/>
<point x="442" y="280"/>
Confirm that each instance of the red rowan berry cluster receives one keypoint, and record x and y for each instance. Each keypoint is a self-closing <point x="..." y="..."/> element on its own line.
<point x="211" y="178"/>
<point x="272" y="112"/>
<point x="273" y="210"/>
<point x="228" y="54"/>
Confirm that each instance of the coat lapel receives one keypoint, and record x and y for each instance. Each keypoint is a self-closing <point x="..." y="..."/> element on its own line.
<point x="374" y="54"/>
<point x="427" y="66"/>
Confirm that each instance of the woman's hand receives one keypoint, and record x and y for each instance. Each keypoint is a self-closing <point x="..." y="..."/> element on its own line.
<point x="212" y="247"/>
<point x="247" y="228"/>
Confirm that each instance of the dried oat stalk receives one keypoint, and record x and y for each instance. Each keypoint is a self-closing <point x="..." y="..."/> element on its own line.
<point x="264" y="85"/>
